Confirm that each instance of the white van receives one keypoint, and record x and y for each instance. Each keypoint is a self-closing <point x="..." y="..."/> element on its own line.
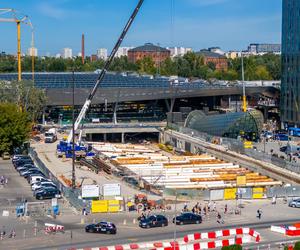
<point x="37" y="178"/>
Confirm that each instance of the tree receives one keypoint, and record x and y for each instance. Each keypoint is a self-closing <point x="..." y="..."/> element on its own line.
<point x="232" y="247"/>
<point x="261" y="73"/>
<point x="14" y="127"/>
<point x="212" y="66"/>
<point x="168" y="67"/>
<point x="24" y="94"/>
<point x="146" y="65"/>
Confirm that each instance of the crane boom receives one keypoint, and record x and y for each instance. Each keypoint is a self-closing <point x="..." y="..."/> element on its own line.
<point x="88" y="101"/>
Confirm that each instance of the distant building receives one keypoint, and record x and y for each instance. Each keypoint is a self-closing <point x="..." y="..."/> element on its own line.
<point x="93" y="58"/>
<point x="123" y="51"/>
<point x="179" y="51"/>
<point x="216" y="50"/>
<point x="233" y="54"/>
<point x="57" y="55"/>
<point x="32" y="51"/>
<point x="79" y="54"/>
<point x="220" y="61"/>
<point x="157" y="53"/>
<point x="102" y="53"/>
<point x="264" y="48"/>
<point x="67" y="53"/>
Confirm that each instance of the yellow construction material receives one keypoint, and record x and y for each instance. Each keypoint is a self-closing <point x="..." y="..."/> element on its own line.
<point x="241" y="180"/>
<point x="100" y="206"/>
<point x="229" y="193"/>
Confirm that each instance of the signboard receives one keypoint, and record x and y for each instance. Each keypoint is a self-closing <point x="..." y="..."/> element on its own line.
<point x="89" y="191"/>
<point x="248" y="144"/>
<point x="112" y="189"/>
<point x="241" y="180"/>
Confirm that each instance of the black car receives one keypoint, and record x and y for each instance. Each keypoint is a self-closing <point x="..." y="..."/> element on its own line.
<point x="154" y="221"/>
<point x="25" y="167"/>
<point x="102" y="227"/>
<point x="188" y="218"/>
<point x="47" y="194"/>
<point x="16" y="158"/>
<point x="283" y="149"/>
<point x="22" y="162"/>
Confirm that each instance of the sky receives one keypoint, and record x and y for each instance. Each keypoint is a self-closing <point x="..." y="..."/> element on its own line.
<point x="229" y="24"/>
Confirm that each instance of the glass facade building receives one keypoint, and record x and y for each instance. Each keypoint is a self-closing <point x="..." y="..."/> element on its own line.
<point x="290" y="79"/>
<point x="248" y="125"/>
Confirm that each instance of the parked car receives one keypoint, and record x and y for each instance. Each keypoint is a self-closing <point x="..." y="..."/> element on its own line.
<point x="5" y="156"/>
<point x="47" y="194"/>
<point x="22" y="162"/>
<point x="188" y="218"/>
<point x="32" y="172"/>
<point x="294" y="203"/>
<point x="42" y="184"/>
<point x="37" y="178"/>
<point x="154" y="221"/>
<point x="25" y="167"/>
<point x="102" y="227"/>
<point x="18" y="157"/>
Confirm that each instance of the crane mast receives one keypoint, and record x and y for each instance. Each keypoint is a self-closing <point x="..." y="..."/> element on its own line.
<point x="88" y="101"/>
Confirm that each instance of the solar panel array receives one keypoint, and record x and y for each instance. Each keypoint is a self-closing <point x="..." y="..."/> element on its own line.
<point x="87" y="80"/>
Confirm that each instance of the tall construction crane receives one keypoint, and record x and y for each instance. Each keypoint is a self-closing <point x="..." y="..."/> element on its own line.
<point x="88" y="101"/>
<point x="18" y="19"/>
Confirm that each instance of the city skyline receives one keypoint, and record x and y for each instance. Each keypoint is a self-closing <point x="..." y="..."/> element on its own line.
<point x="229" y="24"/>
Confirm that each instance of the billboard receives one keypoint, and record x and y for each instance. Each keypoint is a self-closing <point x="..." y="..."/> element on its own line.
<point x="89" y="191"/>
<point x="113" y="189"/>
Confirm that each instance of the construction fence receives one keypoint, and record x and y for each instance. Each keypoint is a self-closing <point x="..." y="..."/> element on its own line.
<point x="246" y="193"/>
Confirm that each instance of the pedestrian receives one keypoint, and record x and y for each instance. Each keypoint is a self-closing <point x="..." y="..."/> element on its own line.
<point x="259" y="212"/>
<point x="219" y="218"/>
<point x="185" y="207"/>
<point x="83" y="211"/>
<point x="274" y="200"/>
<point x="214" y="206"/>
<point x="209" y="206"/>
<point x="225" y="209"/>
<point x="12" y="234"/>
<point x="6" y="180"/>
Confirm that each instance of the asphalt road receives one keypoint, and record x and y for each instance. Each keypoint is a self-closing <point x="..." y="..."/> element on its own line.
<point x="128" y="235"/>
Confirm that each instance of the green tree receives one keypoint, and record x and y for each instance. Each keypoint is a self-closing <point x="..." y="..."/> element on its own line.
<point x="146" y="65"/>
<point x="261" y="73"/>
<point x="168" y="67"/>
<point x="14" y="127"/>
<point x="232" y="247"/>
<point x="57" y="65"/>
<point x="24" y="94"/>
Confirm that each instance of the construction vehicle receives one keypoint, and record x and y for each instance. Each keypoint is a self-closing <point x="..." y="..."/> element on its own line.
<point x="50" y="135"/>
<point x="66" y="146"/>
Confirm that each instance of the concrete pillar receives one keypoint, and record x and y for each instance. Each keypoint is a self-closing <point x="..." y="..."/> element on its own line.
<point x="104" y="137"/>
<point x="265" y="113"/>
<point x="172" y="104"/>
<point x="122" y="138"/>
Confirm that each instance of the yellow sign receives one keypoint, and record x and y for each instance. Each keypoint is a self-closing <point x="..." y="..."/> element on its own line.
<point x="229" y="193"/>
<point x="248" y="144"/>
<point x="258" y="193"/>
<point x="113" y="206"/>
<point x="241" y="180"/>
<point x="100" y="206"/>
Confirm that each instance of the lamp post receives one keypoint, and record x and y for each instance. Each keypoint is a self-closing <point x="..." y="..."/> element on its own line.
<point x="175" y="224"/>
<point x="73" y="131"/>
<point x="243" y="82"/>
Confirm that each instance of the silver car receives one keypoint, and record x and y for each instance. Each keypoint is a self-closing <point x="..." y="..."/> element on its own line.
<point x="294" y="203"/>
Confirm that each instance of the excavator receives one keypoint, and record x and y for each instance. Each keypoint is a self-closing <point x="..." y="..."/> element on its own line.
<point x="68" y="146"/>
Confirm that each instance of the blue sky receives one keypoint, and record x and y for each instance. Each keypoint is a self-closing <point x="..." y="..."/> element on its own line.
<point x="230" y="24"/>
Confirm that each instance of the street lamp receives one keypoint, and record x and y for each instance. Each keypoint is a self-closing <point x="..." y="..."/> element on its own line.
<point x="73" y="131"/>
<point x="175" y="220"/>
<point x="243" y="82"/>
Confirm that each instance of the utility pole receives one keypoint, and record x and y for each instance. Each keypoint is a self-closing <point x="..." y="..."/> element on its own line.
<point x="243" y="81"/>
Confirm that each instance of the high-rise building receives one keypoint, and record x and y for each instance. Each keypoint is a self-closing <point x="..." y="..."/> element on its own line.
<point x="32" y="51"/>
<point x="290" y="76"/>
<point x="102" y="53"/>
<point x="263" y="48"/>
<point x="123" y="51"/>
<point x="179" y="51"/>
<point x="67" y="53"/>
